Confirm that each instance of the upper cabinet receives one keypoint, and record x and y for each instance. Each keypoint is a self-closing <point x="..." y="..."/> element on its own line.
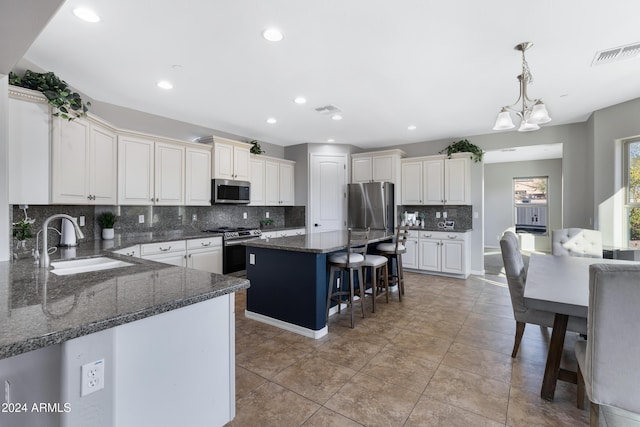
<point x="150" y="172"/>
<point x="230" y="159"/>
<point x="376" y="166"/>
<point x="83" y="162"/>
<point x="436" y="180"/>
<point x="198" y="174"/>
<point x="272" y="181"/>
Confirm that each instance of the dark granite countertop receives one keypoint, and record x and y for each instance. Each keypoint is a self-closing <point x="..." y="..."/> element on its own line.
<point x="42" y="308"/>
<point x="455" y="230"/>
<point x="323" y="242"/>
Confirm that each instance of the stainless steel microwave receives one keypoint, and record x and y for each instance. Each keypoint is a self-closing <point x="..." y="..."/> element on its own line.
<point x="228" y="191"/>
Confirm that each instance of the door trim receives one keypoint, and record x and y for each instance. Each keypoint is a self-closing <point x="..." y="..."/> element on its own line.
<point x="347" y="174"/>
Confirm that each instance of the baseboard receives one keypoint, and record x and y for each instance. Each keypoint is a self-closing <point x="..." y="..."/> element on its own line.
<point x="309" y="333"/>
<point x="478" y="272"/>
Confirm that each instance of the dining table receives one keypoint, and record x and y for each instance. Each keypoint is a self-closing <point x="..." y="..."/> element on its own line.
<point x="560" y="285"/>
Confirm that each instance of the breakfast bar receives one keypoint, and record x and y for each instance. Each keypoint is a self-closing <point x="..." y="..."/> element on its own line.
<point x="289" y="279"/>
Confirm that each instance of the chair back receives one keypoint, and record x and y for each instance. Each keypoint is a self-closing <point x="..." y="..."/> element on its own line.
<point x="401" y="239"/>
<point x="578" y="242"/>
<point x="357" y="243"/>
<point x="612" y="367"/>
<point x="515" y="272"/>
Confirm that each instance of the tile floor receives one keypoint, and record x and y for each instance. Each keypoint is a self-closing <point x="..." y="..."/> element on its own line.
<point x="441" y="357"/>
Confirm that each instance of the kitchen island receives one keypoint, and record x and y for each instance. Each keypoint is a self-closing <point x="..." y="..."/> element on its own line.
<point x="290" y="278"/>
<point x="164" y="336"/>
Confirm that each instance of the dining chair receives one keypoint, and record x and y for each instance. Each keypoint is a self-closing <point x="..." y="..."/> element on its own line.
<point x="393" y="251"/>
<point x="349" y="262"/>
<point x="608" y="363"/>
<point x="580" y="242"/>
<point x="516" y="279"/>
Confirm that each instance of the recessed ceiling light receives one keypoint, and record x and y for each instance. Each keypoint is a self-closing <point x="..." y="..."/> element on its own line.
<point x="271" y="121"/>
<point x="272" y="34"/>
<point x="86" y="15"/>
<point x="336" y="117"/>
<point x="411" y="127"/>
<point x="330" y="140"/>
<point x="164" y="84"/>
<point x="300" y="100"/>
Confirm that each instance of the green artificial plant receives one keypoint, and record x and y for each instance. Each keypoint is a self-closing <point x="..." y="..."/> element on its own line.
<point x="256" y="149"/>
<point x="66" y="103"/>
<point x="22" y="229"/>
<point x="464" y="146"/>
<point x="107" y="219"/>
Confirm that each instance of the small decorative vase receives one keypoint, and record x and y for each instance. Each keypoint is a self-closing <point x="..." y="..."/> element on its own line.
<point x="107" y="233"/>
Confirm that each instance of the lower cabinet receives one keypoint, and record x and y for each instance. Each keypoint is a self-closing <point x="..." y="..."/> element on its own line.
<point x="205" y="254"/>
<point x="283" y="233"/>
<point x="438" y="251"/>
<point x="174" y="253"/>
<point x="200" y="254"/>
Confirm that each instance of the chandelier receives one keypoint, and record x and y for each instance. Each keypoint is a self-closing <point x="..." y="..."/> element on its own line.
<point x="532" y="112"/>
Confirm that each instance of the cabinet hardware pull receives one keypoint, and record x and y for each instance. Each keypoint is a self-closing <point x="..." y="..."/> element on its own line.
<point x="452" y="237"/>
<point x="157" y="199"/>
<point x="206" y="244"/>
<point x="164" y="250"/>
<point x="131" y="253"/>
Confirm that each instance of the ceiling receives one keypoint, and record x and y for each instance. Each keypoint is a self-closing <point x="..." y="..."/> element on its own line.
<point x="444" y="67"/>
<point x="524" y="153"/>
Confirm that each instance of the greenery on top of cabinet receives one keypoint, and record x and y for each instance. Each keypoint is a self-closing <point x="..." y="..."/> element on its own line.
<point x="66" y="103"/>
<point x="464" y="146"/>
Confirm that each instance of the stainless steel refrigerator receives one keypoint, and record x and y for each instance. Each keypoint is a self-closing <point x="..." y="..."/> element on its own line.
<point x="371" y="205"/>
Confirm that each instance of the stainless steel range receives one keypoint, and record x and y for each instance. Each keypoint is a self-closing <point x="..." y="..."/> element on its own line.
<point x="234" y="254"/>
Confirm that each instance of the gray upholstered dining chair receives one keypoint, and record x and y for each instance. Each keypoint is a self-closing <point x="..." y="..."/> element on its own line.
<point x="608" y="362"/>
<point x="580" y="242"/>
<point x="516" y="278"/>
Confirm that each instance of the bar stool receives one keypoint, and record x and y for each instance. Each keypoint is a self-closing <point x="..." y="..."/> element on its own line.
<point x="379" y="276"/>
<point x="349" y="262"/>
<point x="394" y="251"/>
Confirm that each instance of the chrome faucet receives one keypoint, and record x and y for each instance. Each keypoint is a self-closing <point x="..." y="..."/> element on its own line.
<point x="44" y="257"/>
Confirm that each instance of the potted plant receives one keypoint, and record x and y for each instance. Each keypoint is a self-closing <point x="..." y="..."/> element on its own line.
<point x="264" y="223"/>
<point x="464" y="146"/>
<point x="66" y="103"/>
<point x="106" y="220"/>
<point x="256" y="149"/>
<point x="22" y="230"/>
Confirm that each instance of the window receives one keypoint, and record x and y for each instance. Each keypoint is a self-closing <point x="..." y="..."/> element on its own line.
<point x="530" y="204"/>
<point x="632" y="183"/>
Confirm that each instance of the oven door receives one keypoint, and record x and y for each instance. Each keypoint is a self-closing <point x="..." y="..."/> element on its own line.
<point x="235" y="255"/>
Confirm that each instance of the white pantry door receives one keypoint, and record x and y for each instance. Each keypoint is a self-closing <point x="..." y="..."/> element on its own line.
<point x="328" y="187"/>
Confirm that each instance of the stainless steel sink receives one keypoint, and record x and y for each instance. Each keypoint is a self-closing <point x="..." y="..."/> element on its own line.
<point x="63" y="268"/>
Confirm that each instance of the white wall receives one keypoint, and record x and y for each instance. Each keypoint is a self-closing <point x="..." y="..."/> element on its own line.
<point x="4" y="168"/>
<point x="498" y="197"/>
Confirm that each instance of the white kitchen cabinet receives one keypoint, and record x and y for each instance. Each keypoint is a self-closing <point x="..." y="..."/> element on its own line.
<point x="376" y="166"/>
<point x="174" y="252"/>
<point x="430" y="254"/>
<point x="256" y="177"/>
<point x="436" y="180"/>
<point x="205" y="254"/>
<point x="150" y="172"/>
<point x="83" y="162"/>
<point x="29" y="126"/>
<point x="231" y="159"/>
<point x="279" y="186"/>
<point x="198" y="177"/>
<point x="410" y="257"/>
<point x="132" y="251"/>
<point x="444" y="252"/>
<point x="284" y="233"/>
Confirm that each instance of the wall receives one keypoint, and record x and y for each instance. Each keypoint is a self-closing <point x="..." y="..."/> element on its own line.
<point x="498" y="197"/>
<point x="4" y="168"/>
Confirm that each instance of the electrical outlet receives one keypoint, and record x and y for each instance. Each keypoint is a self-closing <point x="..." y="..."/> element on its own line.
<point x="266" y="215"/>
<point x="140" y="219"/>
<point x="244" y="215"/>
<point x="252" y="259"/>
<point x="194" y="217"/>
<point x="92" y="377"/>
<point x="444" y="214"/>
<point x="437" y="214"/>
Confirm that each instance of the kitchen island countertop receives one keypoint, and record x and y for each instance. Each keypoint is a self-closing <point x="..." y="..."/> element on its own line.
<point x="323" y="242"/>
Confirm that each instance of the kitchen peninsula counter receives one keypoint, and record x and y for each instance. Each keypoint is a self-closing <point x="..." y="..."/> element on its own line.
<point x="290" y="276"/>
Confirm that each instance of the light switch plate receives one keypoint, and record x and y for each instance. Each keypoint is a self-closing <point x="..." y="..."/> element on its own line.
<point x="252" y="259"/>
<point x="437" y="214"/>
<point x="82" y="221"/>
<point x="140" y="219"/>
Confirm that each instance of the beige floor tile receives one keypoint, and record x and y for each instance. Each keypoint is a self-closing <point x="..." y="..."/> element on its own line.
<point x="272" y="405"/>
<point x="430" y="412"/>
<point x="327" y="418"/>
<point x="527" y="408"/>
<point x="372" y="402"/>
<point x="480" y="395"/>
<point x="482" y="362"/>
<point x="315" y="378"/>
<point x="397" y="367"/>
<point x="351" y="352"/>
<point x="491" y="323"/>
<point x="494" y="309"/>
<point x="269" y="358"/>
<point x="422" y="346"/>
<point x="246" y="381"/>
<point x="435" y="328"/>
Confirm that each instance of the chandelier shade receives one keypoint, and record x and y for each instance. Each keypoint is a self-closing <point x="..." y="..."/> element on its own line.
<point x="532" y="112"/>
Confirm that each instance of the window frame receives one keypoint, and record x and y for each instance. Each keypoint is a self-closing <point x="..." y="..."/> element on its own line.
<point x="544" y="205"/>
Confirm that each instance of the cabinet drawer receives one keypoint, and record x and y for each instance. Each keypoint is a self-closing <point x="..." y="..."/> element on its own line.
<point x="413" y="234"/>
<point x="133" y="251"/>
<point x="163" y="247"/>
<point x="209" y="242"/>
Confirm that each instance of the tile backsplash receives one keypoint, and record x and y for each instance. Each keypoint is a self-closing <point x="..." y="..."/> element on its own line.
<point x="461" y="214"/>
<point x="158" y="218"/>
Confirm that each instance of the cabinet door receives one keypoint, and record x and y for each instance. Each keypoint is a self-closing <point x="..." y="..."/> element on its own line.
<point x="272" y="183"/>
<point x="457" y="182"/>
<point x="453" y="256"/>
<point x="198" y="177"/>
<point x="410" y="257"/>
<point x="179" y="259"/>
<point x="361" y="169"/>
<point x="169" y="174"/>
<point x="223" y="161"/>
<point x="103" y="178"/>
<point x="257" y="180"/>
<point x="412" y="183"/>
<point x="135" y="171"/>
<point x="206" y="260"/>
<point x="70" y="161"/>
<point x="241" y="161"/>
<point x="286" y="184"/>
<point x="430" y="255"/>
<point x="433" y="173"/>
<point x="383" y="169"/>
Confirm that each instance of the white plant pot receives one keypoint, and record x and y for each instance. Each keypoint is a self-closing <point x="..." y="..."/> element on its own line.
<point x="107" y="233"/>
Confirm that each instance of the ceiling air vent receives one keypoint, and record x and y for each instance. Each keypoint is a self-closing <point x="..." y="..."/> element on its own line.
<point x="616" y="54"/>
<point x="328" y="109"/>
